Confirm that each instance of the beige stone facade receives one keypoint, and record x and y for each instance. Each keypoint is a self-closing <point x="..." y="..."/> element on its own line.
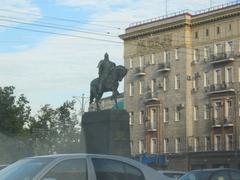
<point x="182" y="88"/>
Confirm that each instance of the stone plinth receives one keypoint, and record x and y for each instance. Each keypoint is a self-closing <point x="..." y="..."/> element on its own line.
<point x="107" y="132"/>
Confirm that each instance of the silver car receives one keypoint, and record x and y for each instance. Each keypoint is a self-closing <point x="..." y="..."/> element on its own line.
<point x="79" y="167"/>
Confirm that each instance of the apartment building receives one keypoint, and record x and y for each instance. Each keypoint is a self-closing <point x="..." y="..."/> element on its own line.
<point x="182" y="88"/>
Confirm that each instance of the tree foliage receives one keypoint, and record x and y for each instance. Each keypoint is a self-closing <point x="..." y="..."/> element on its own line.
<point x="51" y="130"/>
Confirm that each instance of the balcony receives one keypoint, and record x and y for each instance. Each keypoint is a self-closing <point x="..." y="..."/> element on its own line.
<point x="163" y="67"/>
<point x="140" y="71"/>
<point x="151" y="96"/>
<point x="225" y="122"/>
<point x="217" y="122"/>
<point x="220" y="88"/>
<point x="224" y="57"/>
<point x="228" y="121"/>
<point x="151" y="125"/>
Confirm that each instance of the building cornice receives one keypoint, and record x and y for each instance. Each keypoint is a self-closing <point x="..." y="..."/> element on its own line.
<point x="180" y="21"/>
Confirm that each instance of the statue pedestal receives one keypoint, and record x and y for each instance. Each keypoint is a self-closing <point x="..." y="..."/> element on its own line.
<point x="106" y="132"/>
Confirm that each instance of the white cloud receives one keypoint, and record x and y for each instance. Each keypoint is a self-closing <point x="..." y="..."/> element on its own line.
<point x="20" y="9"/>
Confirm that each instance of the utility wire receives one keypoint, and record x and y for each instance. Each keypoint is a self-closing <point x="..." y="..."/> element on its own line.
<point x="58" y="18"/>
<point x="61" y="34"/>
<point x="55" y="27"/>
<point x="54" y="24"/>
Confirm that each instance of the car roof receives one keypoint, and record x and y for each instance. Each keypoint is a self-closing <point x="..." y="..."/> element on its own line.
<point x="79" y="155"/>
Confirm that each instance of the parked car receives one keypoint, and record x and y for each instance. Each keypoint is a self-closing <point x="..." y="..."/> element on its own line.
<point x="212" y="174"/>
<point x="172" y="174"/>
<point x="3" y="166"/>
<point x="79" y="167"/>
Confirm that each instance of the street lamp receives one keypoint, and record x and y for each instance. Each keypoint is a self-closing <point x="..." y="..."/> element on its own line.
<point x="83" y="101"/>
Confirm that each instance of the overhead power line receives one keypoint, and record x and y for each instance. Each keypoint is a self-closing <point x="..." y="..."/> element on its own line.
<point x="56" y="27"/>
<point x="61" y="34"/>
<point x="58" y="18"/>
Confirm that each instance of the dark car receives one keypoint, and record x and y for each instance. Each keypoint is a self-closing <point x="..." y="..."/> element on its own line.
<point x="212" y="174"/>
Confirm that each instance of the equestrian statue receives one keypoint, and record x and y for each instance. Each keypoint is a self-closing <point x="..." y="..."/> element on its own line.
<point x="109" y="77"/>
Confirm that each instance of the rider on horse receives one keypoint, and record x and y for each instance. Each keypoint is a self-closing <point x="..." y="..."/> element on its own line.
<point x="105" y="68"/>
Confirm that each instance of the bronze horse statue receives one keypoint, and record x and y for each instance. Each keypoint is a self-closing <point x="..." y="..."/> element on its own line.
<point x="111" y="83"/>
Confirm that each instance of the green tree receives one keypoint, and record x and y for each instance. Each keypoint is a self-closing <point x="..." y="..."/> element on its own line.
<point x="43" y="130"/>
<point x="68" y="133"/>
<point x="14" y="116"/>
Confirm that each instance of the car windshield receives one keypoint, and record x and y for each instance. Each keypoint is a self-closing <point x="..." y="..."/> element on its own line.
<point x="25" y="169"/>
<point x="196" y="175"/>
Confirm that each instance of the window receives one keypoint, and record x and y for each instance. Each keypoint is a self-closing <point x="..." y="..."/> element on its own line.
<point x="131" y="118"/>
<point x="207" y="32"/>
<point x="69" y="169"/>
<point x="228" y="74"/>
<point x="239" y="74"/>
<point x="206" y="53"/>
<point x="177" y="113"/>
<point x="107" y="169"/>
<point x="165" y="114"/>
<point x="217" y="110"/>
<point x="217" y="76"/>
<point x="165" y="145"/>
<point x="195" y="113"/>
<point x="153" y="145"/>
<point x="196" y="55"/>
<point x="217" y="142"/>
<point x="219" y="49"/>
<point x="131" y="145"/>
<point x="196" y="35"/>
<point x="218" y="30"/>
<point x="141" y="116"/>
<point x="165" y="82"/>
<point x="196" y="144"/>
<point x="140" y="87"/>
<point x="230" y="27"/>
<point x="177" y="145"/>
<point x="207" y="145"/>
<point x="177" y="53"/>
<point x="177" y="81"/>
<point x="205" y="79"/>
<point x="229" y="47"/>
<point x="153" y="118"/>
<point x="229" y="142"/>
<point x="228" y="108"/>
<point x="141" y="63"/>
<point x="166" y="57"/>
<point x="140" y="147"/>
<point x="130" y="89"/>
<point x="206" y="112"/>
<point x="238" y="108"/>
<point x="152" y="58"/>
<point x="130" y="63"/>
<point x="153" y="85"/>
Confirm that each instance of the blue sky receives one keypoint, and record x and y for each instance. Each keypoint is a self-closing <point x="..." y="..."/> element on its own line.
<point x="49" y="68"/>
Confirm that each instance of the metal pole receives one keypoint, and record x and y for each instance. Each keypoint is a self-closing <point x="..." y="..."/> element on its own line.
<point x="83" y="104"/>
